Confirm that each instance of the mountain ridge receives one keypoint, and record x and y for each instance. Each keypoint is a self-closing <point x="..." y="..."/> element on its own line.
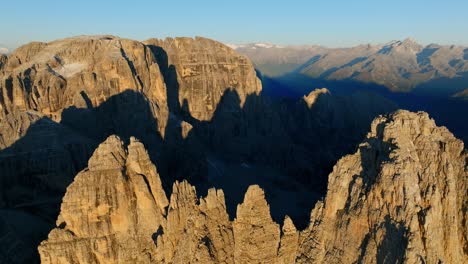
<point x="200" y="232"/>
<point x="397" y="65"/>
<point x="76" y="106"/>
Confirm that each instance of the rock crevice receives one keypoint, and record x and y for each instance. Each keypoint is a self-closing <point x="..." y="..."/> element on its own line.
<point x="401" y="198"/>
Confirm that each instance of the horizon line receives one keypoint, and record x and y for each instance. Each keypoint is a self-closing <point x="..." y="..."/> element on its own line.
<point x="10" y="49"/>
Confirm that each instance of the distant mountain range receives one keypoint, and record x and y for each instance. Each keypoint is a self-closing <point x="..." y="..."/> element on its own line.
<point x="397" y="65"/>
<point x="4" y="50"/>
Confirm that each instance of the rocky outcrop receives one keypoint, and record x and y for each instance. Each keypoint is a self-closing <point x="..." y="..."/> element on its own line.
<point x="110" y="211"/>
<point x="401" y="198"/>
<point x="313" y="96"/>
<point x="81" y="72"/>
<point x="58" y="100"/>
<point x="256" y="236"/>
<point x="117" y="207"/>
<point x="15" y="125"/>
<point x="328" y="126"/>
<point x="289" y="242"/>
<point x="38" y="160"/>
<point x="3" y="60"/>
<point x="202" y="70"/>
<point x="196" y="231"/>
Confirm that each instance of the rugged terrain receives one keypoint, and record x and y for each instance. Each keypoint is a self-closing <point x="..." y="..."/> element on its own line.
<point x="58" y="100"/>
<point x="401" y="198"/>
<point x="428" y="78"/>
<point x="85" y="122"/>
<point x="397" y="65"/>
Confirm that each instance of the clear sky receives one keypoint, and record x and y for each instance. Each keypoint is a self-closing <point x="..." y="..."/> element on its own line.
<point x="327" y="22"/>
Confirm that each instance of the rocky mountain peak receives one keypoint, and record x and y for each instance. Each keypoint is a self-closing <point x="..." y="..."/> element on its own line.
<point x="402" y="189"/>
<point x="198" y="92"/>
<point x="256" y="236"/>
<point x="399" y="198"/>
<point x="112" y="208"/>
<point x="59" y="100"/>
<point x="313" y="96"/>
<point x="109" y="155"/>
<point x="409" y="41"/>
<point x="410" y="44"/>
<point x="51" y="77"/>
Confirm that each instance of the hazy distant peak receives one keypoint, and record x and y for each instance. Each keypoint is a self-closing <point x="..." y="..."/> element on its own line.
<point x="266" y="45"/>
<point x="262" y="45"/>
<point x="410" y="40"/>
<point x="233" y="46"/>
<point x="411" y="43"/>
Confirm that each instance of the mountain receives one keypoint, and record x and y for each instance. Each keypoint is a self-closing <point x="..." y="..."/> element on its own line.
<point x="397" y="65"/>
<point x="107" y="145"/>
<point x="274" y="60"/>
<point x="205" y="69"/>
<point x="195" y="104"/>
<point x="58" y="100"/>
<point x="428" y="78"/>
<point x="401" y="198"/>
<point x="4" y="50"/>
<point x="390" y="202"/>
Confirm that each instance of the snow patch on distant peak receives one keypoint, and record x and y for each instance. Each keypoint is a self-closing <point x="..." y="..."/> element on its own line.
<point x="4" y="50"/>
<point x="254" y="46"/>
<point x="267" y="45"/>
<point x="234" y="46"/>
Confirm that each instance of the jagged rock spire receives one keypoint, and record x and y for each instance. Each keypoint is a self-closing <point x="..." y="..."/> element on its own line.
<point x="401" y="198"/>
<point x="110" y="211"/>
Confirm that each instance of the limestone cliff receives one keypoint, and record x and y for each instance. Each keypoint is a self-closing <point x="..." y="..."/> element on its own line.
<point x="38" y="160"/>
<point x="58" y="100"/>
<point x="401" y="198"/>
<point x="205" y="70"/>
<point x="116" y="211"/>
<point x="15" y="125"/>
<point x="195" y="104"/>
<point x="110" y="211"/>
<point x="3" y="60"/>
<point x="80" y="71"/>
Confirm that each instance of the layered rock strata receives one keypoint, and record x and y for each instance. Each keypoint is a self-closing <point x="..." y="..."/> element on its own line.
<point x="401" y="198"/>
<point x="201" y="71"/>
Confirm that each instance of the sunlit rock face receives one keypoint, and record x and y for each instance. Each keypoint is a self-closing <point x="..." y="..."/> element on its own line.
<point x="70" y="113"/>
<point x="401" y="198"/>
<point x="59" y="100"/>
<point x="201" y="71"/>
<point x="82" y="72"/>
<point x="111" y="209"/>
<point x="116" y="211"/>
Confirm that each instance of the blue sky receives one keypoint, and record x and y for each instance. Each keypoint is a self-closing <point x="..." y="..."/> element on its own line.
<point x="327" y="22"/>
